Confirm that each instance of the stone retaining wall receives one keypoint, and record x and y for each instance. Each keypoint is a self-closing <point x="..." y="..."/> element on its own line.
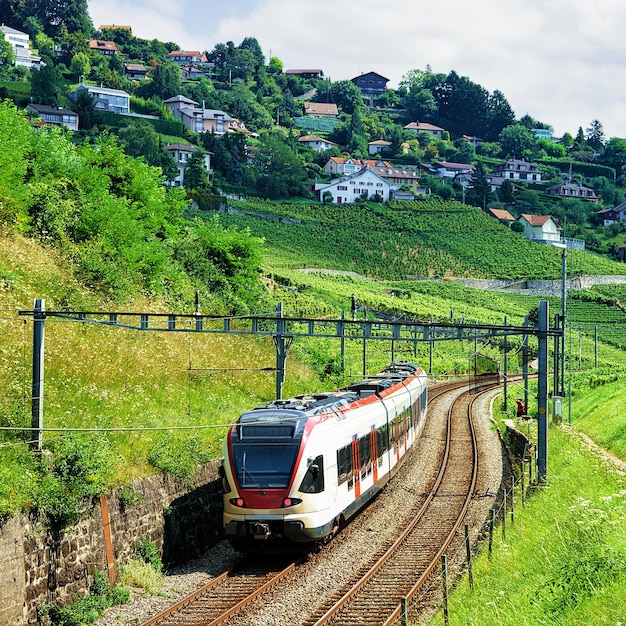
<point x="37" y="565"/>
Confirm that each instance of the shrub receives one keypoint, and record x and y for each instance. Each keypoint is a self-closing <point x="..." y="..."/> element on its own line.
<point x="147" y="552"/>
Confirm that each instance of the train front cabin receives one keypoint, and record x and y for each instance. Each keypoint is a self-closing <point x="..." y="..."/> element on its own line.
<point x="296" y="470"/>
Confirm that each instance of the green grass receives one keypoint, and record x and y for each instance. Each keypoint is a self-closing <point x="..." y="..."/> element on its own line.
<point x="564" y="560"/>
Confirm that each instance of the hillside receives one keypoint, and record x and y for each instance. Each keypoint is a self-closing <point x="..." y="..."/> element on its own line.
<point x="398" y="241"/>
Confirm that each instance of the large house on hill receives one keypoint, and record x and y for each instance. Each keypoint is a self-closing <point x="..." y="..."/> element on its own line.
<point x="371" y="85"/>
<point x="198" y="119"/>
<point x="20" y="42"/>
<point x="516" y="169"/>
<point x="425" y="127"/>
<point x="569" y="189"/>
<point x="395" y="176"/>
<point x="614" y="215"/>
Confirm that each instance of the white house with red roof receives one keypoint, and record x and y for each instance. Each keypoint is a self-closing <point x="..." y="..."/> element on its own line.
<point x="321" y="109"/>
<point x="540" y="228"/>
<point x="378" y="146"/>
<point x="365" y="183"/>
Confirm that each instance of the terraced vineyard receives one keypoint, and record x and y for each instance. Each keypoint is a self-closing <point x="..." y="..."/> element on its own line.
<point x="403" y="240"/>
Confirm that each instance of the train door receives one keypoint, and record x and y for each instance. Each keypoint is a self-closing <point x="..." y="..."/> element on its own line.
<point x="356" y="464"/>
<point x="374" y="452"/>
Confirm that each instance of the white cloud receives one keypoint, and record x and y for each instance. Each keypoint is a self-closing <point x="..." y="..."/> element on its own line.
<point x="561" y="62"/>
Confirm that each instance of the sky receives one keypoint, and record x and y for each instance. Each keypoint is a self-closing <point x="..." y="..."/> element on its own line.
<point x="561" y="62"/>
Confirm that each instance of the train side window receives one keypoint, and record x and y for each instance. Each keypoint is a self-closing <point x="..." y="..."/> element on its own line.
<point x="313" y="481"/>
<point x="365" y="450"/>
<point x="344" y="465"/>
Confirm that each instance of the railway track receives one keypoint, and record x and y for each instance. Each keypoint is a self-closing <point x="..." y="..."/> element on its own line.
<point x="376" y="598"/>
<point x="223" y="597"/>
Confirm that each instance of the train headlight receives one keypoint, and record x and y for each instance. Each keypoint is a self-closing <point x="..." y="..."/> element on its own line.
<point x="239" y="502"/>
<point x="287" y="502"/>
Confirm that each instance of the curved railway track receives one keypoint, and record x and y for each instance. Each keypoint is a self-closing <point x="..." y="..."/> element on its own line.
<point x="375" y="598"/>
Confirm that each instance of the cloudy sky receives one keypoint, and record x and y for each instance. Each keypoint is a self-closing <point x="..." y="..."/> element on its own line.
<point x="562" y="62"/>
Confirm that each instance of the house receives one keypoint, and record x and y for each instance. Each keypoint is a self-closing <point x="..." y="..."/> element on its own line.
<point x="540" y="228"/>
<point x="425" y="127"/>
<point x="445" y="169"/>
<point x="502" y="215"/>
<point x="569" y="189"/>
<point x="516" y="169"/>
<point x="20" y="43"/>
<point x="237" y="126"/>
<point x="55" y="116"/>
<point x="317" y="144"/>
<point x="395" y="176"/>
<point x="135" y="71"/>
<point x="321" y="109"/>
<point x="175" y="103"/>
<point x="107" y="48"/>
<point x="187" y="57"/>
<point x="314" y="73"/>
<point x="542" y="133"/>
<point x="106" y="99"/>
<point x="378" y="146"/>
<point x="614" y="215"/>
<point x="371" y="84"/>
<point x="194" y="72"/>
<point x="181" y="152"/>
<point x="347" y="189"/>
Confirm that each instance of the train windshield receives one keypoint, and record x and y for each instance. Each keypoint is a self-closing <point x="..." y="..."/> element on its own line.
<point x="264" y="464"/>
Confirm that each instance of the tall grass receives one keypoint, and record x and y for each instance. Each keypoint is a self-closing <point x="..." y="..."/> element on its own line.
<point x="564" y="560"/>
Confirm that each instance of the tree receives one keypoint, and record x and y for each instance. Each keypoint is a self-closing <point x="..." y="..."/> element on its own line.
<point x="85" y="106"/>
<point x="165" y="82"/>
<point x="7" y="56"/>
<point x="80" y="65"/>
<point x="595" y="136"/>
<point x="54" y="14"/>
<point x="347" y="96"/>
<point x="196" y="176"/>
<point x="506" y="191"/>
<point x="275" y="66"/>
<point x="614" y="155"/>
<point x="517" y="141"/>
<point x="46" y="85"/>
<point x="480" y="191"/>
<point x="499" y="115"/>
<point x="421" y="104"/>
<point x="278" y="170"/>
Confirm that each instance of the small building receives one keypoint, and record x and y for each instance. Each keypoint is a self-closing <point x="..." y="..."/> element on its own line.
<point x="187" y="57"/>
<point x="135" y="71"/>
<point x="107" y="48"/>
<point x="445" y="169"/>
<point x="317" y="144"/>
<point x="371" y="84"/>
<point x="311" y="73"/>
<point x="105" y="99"/>
<point x="365" y="183"/>
<point x="540" y="228"/>
<point x="614" y="215"/>
<point x="425" y="127"/>
<point x="55" y="116"/>
<point x="378" y="146"/>
<point x="569" y="189"/>
<point x="502" y="215"/>
<point x="321" y="109"/>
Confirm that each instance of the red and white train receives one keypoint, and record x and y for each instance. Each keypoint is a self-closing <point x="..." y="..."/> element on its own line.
<point x="298" y="469"/>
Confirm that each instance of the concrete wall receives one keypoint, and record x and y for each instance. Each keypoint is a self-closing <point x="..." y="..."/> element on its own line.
<point x="37" y="565"/>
